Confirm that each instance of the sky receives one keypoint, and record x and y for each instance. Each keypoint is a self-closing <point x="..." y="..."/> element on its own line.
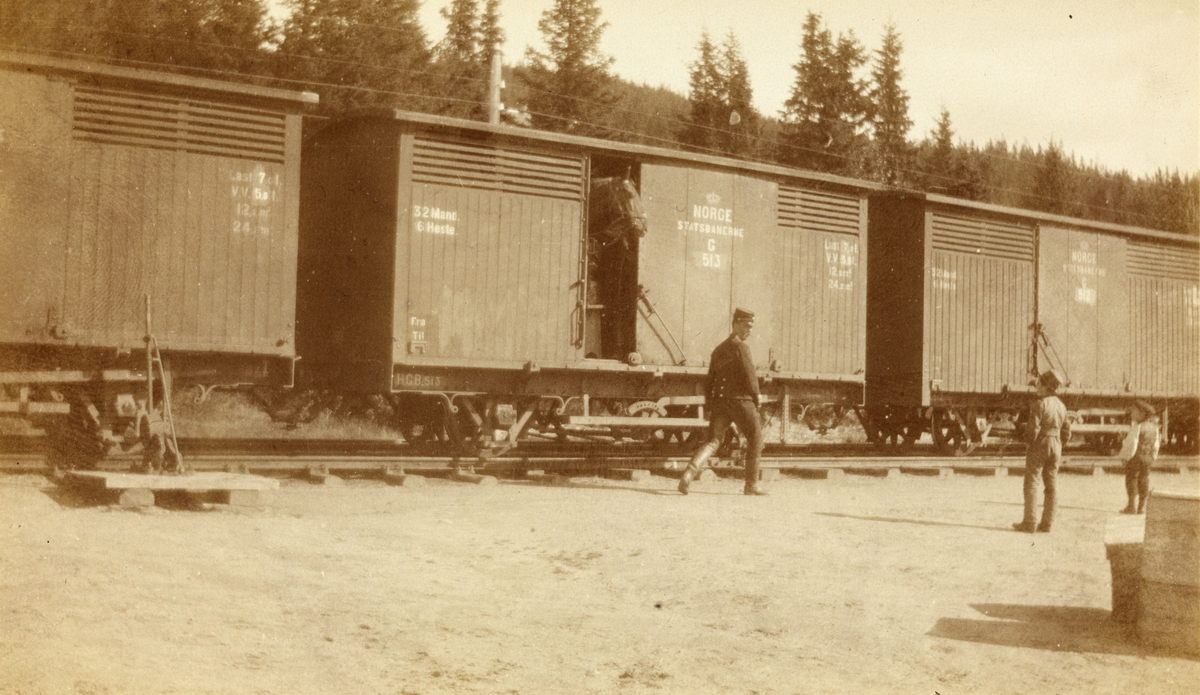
<point x="1116" y="83"/>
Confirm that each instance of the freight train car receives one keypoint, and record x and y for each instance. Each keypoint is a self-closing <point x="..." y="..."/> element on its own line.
<point x="967" y="303"/>
<point x="502" y="283"/>
<point x="148" y="230"/>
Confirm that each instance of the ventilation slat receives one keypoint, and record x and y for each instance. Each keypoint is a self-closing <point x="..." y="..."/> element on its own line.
<point x="818" y="211"/>
<point x="469" y="165"/>
<point x="132" y="119"/>
<point x="982" y="237"/>
<point x="1163" y="261"/>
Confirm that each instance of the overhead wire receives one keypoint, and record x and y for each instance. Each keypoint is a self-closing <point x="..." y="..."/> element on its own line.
<point x="762" y="142"/>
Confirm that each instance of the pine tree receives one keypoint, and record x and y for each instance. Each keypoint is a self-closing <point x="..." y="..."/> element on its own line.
<point x="704" y="97"/>
<point x="1050" y="183"/>
<point x="491" y="35"/>
<point x="741" y="124"/>
<point x="721" y="116"/>
<point x="215" y="35"/>
<point x="889" y="112"/>
<point x="570" y="84"/>
<point x="460" y="61"/>
<point x="825" y="112"/>
<point x="358" y="53"/>
<point x="462" y="31"/>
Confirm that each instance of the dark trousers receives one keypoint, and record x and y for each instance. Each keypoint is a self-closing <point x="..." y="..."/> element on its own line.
<point x="1042" y="460"/>
<point x="1137" y="479"/>
<point x="727" y="411"/>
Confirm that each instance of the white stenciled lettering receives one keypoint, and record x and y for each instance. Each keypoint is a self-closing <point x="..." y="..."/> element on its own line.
<point x="944" y="279"/>
<point x="712" y="229"/>
<point x="253" y="194"/>
<point x="841" y="258"/>
<point x="434" y="220"/>
<point x="708" y="212"/>
<point x="1084" y="268"/>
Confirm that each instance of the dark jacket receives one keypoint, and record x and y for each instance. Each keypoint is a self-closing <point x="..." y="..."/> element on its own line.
<point x="731" y="372"/>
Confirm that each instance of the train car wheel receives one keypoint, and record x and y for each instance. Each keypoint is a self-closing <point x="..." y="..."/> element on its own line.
<point x="948" y="434"/>
<point x="77" y="439"/>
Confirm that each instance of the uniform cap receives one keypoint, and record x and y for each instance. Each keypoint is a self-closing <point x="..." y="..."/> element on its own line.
<point x="1052" y="379"/>
<point x="1145" y="407"/>
<point x="743" y="315"/>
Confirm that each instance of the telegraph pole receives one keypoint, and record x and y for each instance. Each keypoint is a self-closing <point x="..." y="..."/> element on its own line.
<point x="495" y="84"/>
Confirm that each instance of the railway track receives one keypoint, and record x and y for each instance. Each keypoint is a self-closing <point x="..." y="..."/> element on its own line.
<point x="284" y="457"/>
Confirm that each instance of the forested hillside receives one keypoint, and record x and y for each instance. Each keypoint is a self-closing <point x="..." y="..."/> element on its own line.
<point x="847" y="112"/>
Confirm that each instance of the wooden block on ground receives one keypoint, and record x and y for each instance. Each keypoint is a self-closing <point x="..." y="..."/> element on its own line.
<point x="875" y="472"/>
<point x="768" y="475"/>
<point x="1172" y="540"/>
<point x="543" y="478"/>
<point x="473" y="478"/>
<point x="982" y="471"/>
<point x="930" y="471"/>
<point x="327" y="479"/>
<point x="706" y="476"/>
<point x="1123" y="547"/>
<point x="1079" y="469"/>
<point x="1170" y="617"/>
<point x="634" y="474"/>
<point x="196" y="482"/>
<point x="136" y="497"/>
<point x="812" y="473"/>
<point x="242" y="498"/>
<point x="395" y="476"/>
<point x="835" y="473"/>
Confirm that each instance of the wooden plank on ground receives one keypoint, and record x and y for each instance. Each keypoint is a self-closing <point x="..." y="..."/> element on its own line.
<point x="194" y="482"/>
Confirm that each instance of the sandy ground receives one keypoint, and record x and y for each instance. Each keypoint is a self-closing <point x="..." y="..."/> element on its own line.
<point x="851" y="585"/>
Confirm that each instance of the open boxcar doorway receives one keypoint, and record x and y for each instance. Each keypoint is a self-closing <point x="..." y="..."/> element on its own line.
<point x="616" y="223"/>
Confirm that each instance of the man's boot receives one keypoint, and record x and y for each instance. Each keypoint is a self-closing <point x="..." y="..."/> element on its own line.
<point x="753" y="485"/>
<point x="1131" y="492"/>
<point x="1049" y="505"/>
<point x="1027" y="524"/>
<point x="689" y="474"/>
<point x="1144" y="491"/>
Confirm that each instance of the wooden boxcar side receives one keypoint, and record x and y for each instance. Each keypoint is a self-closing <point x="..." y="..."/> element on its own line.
<point x="791" y="253"/>
<point x="469" y="254"/>
<point x="120" y="184"/>
<point x="968" y="303"/>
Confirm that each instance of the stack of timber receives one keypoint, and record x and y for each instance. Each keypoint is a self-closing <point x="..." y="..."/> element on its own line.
<point x="1170" y="612"/>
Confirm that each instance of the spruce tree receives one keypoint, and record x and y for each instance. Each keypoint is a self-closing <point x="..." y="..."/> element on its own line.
<point x="358" y="53"/>
<point x="704" y="97"/>
<point x="741" y="121"/>
<point x="491" y="35"/>
<point x="461" y="63"/>
<point x="570" y="83"/>
<point x="823" y="117"/>
<point x="889" y="112"/>
<point x="221" y="36"/>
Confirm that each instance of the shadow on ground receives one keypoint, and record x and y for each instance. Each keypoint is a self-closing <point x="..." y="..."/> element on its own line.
<point x="920" y="522"/>
<point x="1051" y="628"/>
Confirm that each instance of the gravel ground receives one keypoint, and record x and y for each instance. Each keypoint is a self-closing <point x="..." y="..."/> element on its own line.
<point x="852" y="584"/>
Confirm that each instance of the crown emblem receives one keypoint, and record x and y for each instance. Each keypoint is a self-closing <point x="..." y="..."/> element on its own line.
<point x="713" y="199"/>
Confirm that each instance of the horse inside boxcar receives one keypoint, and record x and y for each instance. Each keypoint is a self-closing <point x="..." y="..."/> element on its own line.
<point x="616" y="221"/>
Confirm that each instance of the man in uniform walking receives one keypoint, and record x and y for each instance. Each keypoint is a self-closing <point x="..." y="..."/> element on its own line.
<point x="731" y="395"/>
<point x="1048" y="427"/>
